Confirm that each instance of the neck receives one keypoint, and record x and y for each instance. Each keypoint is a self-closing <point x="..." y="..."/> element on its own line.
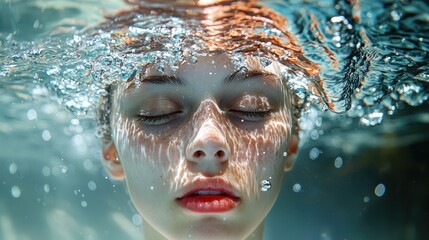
<point x="150" y="233"/>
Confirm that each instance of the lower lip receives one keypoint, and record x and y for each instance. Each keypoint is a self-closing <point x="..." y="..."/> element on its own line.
<point x="209" y="203"/>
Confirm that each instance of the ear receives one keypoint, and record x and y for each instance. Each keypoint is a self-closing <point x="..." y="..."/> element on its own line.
<point x="111" y="161"/>
<point x="291" y="153"/>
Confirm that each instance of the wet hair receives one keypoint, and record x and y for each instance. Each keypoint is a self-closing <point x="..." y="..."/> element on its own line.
<point x="104" y="130"/>
<point x="166" y="33"/>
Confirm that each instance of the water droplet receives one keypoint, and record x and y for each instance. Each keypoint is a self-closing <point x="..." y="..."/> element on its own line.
<point x="36" y="24"/>
<point x="54" y="70"/>
<point x="265" y="185"/>
<point x="193" y="59"/>
<point x="92" y="186"/>
<point x="372" y="119"/>
<point x="314" y="134"/>
<point x="284" y="154"/>
<point x="265" y="62"/>
<point x="87" y="164"/>
<point x="46" y="171"/>
<point x="55" y="171"/>
<point x="314" y="153"/>
<point x="137" y="219"/>
<point x="366" y="199"/>
<point x="46" y="135"/>
<point x="338" y="162"/>
<point x="296" y="187"/>
<point x="151" y="187"/>
<point x="84" y="203"/>
<point x="395" y="15"/>
<point x="337" y="19"/>
<point x="379" y="190"/>
<point x="46" y="188"/>
<point x="16" y="191"/>
<point x="13" y="168"/>
<point x="74" y="121"/>
<point x="63" y="169"/>
<point x="31" y="114"/>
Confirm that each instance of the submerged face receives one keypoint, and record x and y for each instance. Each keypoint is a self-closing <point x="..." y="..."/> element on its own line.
<point x="196" y="143"/>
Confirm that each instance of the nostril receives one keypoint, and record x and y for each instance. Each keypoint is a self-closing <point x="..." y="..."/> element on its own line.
<point x="220" y="154"/>
<point x="198" y="154"/>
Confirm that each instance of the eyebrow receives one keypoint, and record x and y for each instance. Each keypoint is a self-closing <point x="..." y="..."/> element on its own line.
<point x="163" y="79"/>
<point x="239" y="76"/>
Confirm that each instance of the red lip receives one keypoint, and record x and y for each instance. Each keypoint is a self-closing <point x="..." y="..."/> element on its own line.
<point x="209" y="196"/>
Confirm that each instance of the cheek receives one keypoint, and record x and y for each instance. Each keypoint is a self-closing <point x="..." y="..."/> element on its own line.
<point x="263" y="145"/>
<point x="145" y="148"/>
<point x="156" y="157"/>
<point x="258" y="155"/>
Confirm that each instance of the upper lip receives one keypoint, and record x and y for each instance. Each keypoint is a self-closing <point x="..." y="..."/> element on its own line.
<point x="218" y="185"/>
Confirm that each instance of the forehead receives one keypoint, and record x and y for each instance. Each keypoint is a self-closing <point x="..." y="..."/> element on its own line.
<point x="217" y="76"/>
<point x="217" y="66"/>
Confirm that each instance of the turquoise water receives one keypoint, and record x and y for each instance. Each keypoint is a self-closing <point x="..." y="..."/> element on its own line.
<point x="360" y="175"/>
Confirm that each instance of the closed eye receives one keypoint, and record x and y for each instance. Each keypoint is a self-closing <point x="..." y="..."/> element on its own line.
<point x="253" y="116"/>
<point x="155" y="120"/>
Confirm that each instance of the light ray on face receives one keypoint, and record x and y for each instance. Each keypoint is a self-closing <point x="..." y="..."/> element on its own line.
<point x="250" y="148"/>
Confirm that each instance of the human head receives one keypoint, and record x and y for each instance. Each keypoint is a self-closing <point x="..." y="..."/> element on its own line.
<point x="216" y="122"/>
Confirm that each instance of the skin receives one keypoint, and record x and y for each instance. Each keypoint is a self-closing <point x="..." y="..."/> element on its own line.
<point x="168" y="135"/>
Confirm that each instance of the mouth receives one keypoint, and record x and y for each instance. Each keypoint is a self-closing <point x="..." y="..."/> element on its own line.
<point x="206" y="197"/>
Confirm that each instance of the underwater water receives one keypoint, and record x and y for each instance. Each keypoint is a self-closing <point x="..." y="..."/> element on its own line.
<point x="361" y="174"/>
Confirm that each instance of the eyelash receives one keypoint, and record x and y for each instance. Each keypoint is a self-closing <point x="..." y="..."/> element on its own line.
<point x="158" y="119"/>
<point x="165" y="118"/>
<point x="252" y="115"/>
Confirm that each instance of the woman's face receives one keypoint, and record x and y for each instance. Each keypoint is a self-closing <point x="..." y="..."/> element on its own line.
<point x="196" y="143"/>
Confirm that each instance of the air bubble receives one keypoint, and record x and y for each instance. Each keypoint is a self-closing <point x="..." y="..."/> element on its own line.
<point x="395" y="15"/>
<point x="366" y="199"/>
<point x="296" y="187"/>
<point x="372" y="119"/>
<point x="92" y="186"/>
<point x="53" y="71"/>
<point x="314" y="153"/>
<point x="379" y="190"/>
<point x="16" y="191"/>
<point x="55" y="171"/>
<point x="137" y="219"/>
<point x="87" y="164"/>
<point x="13" y="168"/>
<point x="63" y="169"/>
<point x="314" y="134"/>
<point x="46" y="171"/>
<point x="84" y="203"/>
<point x="74" y="121"/>
<point x="46" y="188"/>
<point x="36" y="24"/>
<point x="46" y="135"/>
<point x="265" y="185"/>
<point x="338" y="162"/>
<point x="31" y="114"/>
<point x="265" y="62"/>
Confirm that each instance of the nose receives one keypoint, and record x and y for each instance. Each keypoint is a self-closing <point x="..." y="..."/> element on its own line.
<point x="208" y="151"/>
